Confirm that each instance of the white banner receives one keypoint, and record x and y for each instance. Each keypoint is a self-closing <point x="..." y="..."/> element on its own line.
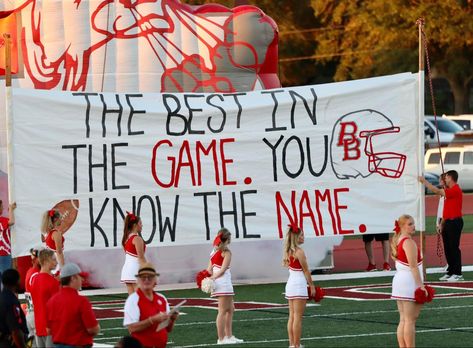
<point x="337" y="159"/>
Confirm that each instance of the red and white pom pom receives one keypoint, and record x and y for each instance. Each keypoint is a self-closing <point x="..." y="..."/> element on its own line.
<point x="421" y="297"/>
<point x="201" y="276"/>
<point x="208" y="285"/>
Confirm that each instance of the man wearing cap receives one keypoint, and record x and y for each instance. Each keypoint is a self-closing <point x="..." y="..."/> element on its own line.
<point x="71" y="320"/>
<point x="44" y="286"/>
<point x="145" y="310"/>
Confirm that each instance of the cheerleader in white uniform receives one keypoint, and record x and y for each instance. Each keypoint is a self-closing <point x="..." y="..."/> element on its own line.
<point x="296" y="287"/>
<point x="134" y="247"/>
<point x="219" y="268"/>
<point x="408" y="278"/>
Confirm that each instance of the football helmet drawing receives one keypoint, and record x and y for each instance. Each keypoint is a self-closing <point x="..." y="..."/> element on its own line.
<point x="360" y="146"/>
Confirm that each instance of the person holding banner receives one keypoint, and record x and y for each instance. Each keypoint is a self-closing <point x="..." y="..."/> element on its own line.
<point x="51" y="236"/>
<point x="5" y="246"/>
<point x="408" y="278"/>
<point x="452" y="223"/>
<point x="146" y="309"/>
<point x="297" y="292"/>
<point x="135" y="248"/>
<point x="219" y="268"/>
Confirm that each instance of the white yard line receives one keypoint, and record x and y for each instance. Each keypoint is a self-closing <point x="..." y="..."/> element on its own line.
<point x="388" y="333"/>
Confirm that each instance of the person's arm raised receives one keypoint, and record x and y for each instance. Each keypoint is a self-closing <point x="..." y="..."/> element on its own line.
<point x="436" y="190"/>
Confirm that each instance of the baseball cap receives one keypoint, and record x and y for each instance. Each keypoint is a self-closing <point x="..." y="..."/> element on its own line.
<point x="70" y="269"/>
<point x="146" y="269"/>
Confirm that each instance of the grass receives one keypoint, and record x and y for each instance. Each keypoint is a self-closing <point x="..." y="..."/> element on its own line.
<point x="334" y="323"/>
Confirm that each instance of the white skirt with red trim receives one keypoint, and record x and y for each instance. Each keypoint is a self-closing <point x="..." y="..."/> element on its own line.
<point x="223" y="284"/>
<point x="296" y="286"/>
<point x="404" y="285"/>
<point x="130" y="269"/>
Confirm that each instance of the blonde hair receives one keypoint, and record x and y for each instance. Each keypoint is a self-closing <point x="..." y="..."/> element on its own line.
<point x="291" y="243"/>
<point x="225" y="235"/>
<point x="402" y="220"/>
<point x="44" y="255"/>
<point x="48" y="221"/>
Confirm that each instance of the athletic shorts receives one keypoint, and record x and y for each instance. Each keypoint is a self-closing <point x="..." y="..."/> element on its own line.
<point x="378" y="237"/>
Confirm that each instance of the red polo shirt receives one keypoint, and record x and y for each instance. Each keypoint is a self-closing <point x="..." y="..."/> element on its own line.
<point x="452" y="208"/>
<point x="69" y="317"/>
<point x="29" y="278"/>
<point x="4" y="236"/>
<point x="44" y="286"/>
<point x="137" y="308"/>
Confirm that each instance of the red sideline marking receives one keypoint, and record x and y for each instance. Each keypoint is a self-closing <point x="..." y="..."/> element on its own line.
<point x="117" y="312"/>
<point x="365" y="292"/>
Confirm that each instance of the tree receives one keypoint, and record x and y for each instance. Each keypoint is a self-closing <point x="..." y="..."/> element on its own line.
<point x="378" y="37"/>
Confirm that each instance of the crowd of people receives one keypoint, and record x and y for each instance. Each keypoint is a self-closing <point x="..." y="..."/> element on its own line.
<point x="58" y="316"/>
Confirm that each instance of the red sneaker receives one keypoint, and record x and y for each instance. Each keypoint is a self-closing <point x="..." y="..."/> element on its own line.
<point x="386" y="267"/>
<point x="371" y="268"/>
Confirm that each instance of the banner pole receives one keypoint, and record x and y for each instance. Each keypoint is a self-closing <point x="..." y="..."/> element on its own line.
<point x="8" y="81"/>
<point x="420" y="122"/>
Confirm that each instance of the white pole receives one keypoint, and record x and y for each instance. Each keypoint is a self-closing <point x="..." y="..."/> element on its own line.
<point x="420" y="137"/>
<point x="8" y="104"/>
<point x="8" y="116"/>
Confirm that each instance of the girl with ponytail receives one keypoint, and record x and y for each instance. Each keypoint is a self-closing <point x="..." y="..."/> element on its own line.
<point x="408" y="278"/>
<point x="51" y="236"/>
<point x="219" y="268"/>
<point x="299" y="280"/>
<point x="134" y="247"/>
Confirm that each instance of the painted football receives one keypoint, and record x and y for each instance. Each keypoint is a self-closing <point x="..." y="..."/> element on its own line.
<point x="69" y="210"/>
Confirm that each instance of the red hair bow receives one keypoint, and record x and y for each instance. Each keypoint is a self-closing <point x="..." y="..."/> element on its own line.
<point x="51" y="213"/>
<point x="132" y="216"/>
<point x="294" y="228"/>
<point x="217" y="240"/>
<point x="397" y="228"/>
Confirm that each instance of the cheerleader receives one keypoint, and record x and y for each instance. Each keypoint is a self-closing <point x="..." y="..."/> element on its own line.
<point x="134" y="247"/>
<point x="219" y="268"/>
<point x="408" y="278"/>
<point x="51" y="236"/>
<point x="296" y="287"/>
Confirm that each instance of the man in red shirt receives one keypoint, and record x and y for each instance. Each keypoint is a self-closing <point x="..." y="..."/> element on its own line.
<point x="5" y="246"/>
<point x="146" y="309"/>
<point x="71" y="320"/>
<point x="43" y="287"/>
<point x="452" y="223"/>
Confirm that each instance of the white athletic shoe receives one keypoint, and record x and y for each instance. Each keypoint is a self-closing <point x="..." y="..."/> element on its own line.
<point x="233" y="339"/>
<point x="455" y="278"/>
<point x="445" y="277"/>
<point x="224" y="341"/>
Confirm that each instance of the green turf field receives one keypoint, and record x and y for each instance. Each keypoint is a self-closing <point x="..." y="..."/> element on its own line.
<point x="336" y="322"/>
